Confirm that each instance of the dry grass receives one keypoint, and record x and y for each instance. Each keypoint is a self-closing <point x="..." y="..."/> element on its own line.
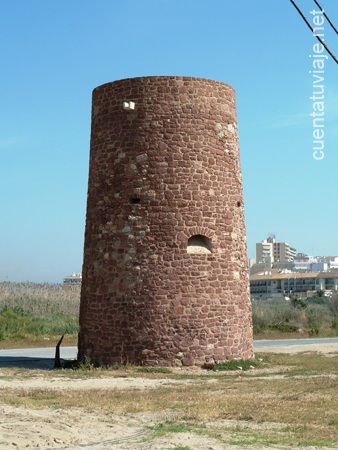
<point x="293" y="398"/>
<point x="40" y="299"/>
<point x="35" y="314"/>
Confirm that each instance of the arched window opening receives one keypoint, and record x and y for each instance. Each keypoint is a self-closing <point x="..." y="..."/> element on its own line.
<point x="199" y="244"/>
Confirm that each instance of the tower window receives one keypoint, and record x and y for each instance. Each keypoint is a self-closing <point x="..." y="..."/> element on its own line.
<point x="199" y="244"/>
<point x="134" y="201"/>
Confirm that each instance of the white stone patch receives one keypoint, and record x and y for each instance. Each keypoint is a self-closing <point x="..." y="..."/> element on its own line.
<point x="220" y="133"/>
<point x="133" y="218"/>
<point x="141" y="158"/>
<point x="151" y="194"/>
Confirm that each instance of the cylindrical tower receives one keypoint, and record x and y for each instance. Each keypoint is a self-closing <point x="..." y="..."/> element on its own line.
<point x="165" y="276"/>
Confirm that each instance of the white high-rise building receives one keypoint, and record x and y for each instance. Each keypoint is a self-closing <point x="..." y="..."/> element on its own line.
<point x="270" y="251"/>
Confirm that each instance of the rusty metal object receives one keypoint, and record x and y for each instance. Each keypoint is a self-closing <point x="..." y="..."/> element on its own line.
<point x="57" y="363"/>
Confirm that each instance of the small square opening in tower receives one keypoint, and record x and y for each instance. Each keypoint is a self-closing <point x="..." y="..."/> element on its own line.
<point x="134" y="200"/>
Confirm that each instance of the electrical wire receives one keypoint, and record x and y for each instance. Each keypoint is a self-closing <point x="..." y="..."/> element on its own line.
<point x="314" y="34"/>
<point x="326" y="17"/>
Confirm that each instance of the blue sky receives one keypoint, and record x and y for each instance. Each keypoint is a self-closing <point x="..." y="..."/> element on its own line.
<point x="54" y="53"/>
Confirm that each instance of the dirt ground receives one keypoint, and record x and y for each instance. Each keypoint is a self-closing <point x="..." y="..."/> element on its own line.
<point x="27" y="428"/>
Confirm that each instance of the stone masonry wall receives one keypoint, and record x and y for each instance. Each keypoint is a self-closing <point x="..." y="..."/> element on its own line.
<point x="160" y="174"/>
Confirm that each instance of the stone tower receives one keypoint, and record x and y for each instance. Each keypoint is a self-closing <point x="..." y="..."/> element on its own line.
<point x="165" y="276"/>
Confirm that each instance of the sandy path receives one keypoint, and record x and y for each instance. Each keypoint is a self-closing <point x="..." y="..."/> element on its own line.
<point x="22" y="428"/>
<point x="58" y="383"/>
<point x="27" y="429"/>
<point x="292" y="349"/>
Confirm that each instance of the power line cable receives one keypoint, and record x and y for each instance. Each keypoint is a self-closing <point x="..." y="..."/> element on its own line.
<point x="326" y="17"/>
<point x="314" y="34"/>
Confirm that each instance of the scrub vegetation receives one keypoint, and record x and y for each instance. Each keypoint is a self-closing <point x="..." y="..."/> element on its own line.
<point x="38" y="314"/>
<point x="314" y="316"/>
<point x="31" y="312"/>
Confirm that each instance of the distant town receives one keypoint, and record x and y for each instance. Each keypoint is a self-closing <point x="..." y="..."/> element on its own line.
<point x="281" y="272"/>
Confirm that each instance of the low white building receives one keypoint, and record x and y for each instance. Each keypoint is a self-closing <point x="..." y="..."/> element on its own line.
<point x="281" y="284"/>
<point x="316" y="263"/>
<point x="73" y="279"/>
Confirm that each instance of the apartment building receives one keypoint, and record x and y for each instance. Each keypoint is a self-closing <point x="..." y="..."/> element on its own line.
<point x="274" y="284"/>
<point x="283" y="252"/>
<point x="264" y="252"/>
<point x="270" y="251"/>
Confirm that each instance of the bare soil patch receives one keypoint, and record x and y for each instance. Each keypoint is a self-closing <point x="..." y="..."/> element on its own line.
<point x="27" y="423"/>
